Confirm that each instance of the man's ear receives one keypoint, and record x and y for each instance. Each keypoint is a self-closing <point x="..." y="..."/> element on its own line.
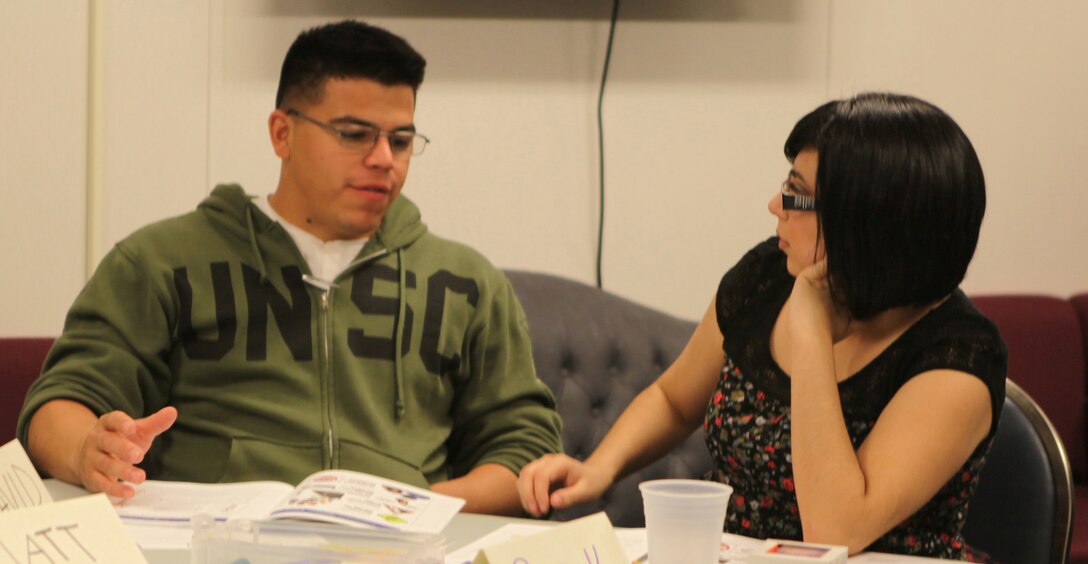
<point x="279" y="131"/>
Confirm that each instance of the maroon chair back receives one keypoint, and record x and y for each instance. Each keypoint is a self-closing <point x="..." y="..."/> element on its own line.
<point x="1080" y="303"/>
<point x="1046" y="358"/>
<point x="20" y="364"/>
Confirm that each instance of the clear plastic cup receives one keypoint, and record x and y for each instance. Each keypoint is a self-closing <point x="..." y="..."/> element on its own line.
<point x="684" y="520"/>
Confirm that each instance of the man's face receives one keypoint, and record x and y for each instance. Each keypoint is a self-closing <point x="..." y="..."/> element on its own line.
<point x="327" y="189"/>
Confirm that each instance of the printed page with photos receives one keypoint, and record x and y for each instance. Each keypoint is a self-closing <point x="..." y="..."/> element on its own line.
<point x="336" y="496"/>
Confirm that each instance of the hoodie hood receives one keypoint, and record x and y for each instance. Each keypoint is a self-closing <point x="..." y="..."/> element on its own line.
<point x="230" y="205"/>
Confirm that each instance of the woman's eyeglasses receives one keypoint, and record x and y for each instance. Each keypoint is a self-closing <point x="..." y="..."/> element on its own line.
<point x="796" y="202"/>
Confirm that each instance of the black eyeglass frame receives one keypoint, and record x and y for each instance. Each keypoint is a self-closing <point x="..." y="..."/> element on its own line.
<point x="348" y="138"/>
<point x="796" y="202"/>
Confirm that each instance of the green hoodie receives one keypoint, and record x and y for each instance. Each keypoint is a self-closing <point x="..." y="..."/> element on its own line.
<point x="415" y="365"/>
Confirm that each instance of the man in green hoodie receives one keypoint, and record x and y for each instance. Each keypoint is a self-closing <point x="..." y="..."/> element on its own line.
<point x="320" y="327"/>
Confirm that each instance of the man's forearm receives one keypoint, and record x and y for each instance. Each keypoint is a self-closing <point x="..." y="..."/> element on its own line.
<point x="488" y="488"/>
<point x="55" y="435"/>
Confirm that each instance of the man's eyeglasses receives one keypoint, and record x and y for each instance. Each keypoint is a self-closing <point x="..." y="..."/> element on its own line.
<point x="362" y="137"/>
<point x="796" y="202"/>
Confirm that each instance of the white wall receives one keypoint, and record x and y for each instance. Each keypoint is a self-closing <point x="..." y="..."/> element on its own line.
<point x="154" y="77"/>
<point x="1013" y="74"/>
<point x="43" y="162"/>
<point x="699" y="100"/>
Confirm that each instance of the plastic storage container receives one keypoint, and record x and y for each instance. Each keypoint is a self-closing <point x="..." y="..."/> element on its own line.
<point x="289" y="542"/>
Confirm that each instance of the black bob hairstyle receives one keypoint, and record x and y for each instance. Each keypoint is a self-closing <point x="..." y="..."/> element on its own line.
<point x="346" y="50"/>
<point x="900" y="197"/>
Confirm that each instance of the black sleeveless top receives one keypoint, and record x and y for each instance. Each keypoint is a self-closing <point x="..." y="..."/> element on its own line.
<point x="748" y="418"/>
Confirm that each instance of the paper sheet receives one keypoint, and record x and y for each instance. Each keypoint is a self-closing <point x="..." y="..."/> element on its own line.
<point x="80" y="530"/>
<point x="20" y="486"/>
<point x="734" y="547"/>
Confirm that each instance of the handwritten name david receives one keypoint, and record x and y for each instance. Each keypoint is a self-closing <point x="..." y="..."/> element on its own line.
<point x="20" y="488"/>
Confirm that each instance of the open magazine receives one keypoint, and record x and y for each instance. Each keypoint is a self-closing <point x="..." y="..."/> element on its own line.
<point x="335" y="496"/>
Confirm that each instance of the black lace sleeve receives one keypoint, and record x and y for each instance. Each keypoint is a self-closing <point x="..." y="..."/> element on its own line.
<point x="963" y="339"/>
<point x="759" y="270"/>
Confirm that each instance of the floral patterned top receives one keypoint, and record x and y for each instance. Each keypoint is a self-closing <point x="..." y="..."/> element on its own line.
<point x="748" y="418"/>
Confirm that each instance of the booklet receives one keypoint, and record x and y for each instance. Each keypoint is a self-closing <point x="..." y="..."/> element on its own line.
<point x="335" y="496"/>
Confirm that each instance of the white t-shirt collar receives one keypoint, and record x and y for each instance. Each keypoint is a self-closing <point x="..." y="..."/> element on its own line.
<point x="326" y="260"/>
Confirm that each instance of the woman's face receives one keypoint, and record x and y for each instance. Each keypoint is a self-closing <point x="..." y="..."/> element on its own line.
<point x="797" y="229"/>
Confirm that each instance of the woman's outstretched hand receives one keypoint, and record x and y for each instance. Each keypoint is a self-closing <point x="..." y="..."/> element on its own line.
<point x="579" y="482"/>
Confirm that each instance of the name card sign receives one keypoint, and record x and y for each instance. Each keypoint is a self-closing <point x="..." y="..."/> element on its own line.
<point x="20" y="486"/>
<point x="589" y="540"/>
<point x="80" y="530"/>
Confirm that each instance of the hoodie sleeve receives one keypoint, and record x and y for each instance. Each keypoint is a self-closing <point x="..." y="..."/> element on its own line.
<point x="113" y="352"/>
<point x="504" y="414"/>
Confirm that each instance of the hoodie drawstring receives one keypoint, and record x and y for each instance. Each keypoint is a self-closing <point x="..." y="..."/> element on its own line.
<point x="398" y="337"/>
<point x="253" y="245"/>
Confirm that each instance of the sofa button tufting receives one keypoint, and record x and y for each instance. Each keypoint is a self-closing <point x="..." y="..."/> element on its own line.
<point x="596" y="373"/>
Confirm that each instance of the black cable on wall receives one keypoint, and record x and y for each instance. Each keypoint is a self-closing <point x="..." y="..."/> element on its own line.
<point x="600" y="138"/>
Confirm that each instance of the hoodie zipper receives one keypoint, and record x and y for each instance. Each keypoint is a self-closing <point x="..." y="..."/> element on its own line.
<point x="326" y="347"/>
<point x="326" y="303"/>
<point x="325" y="371"/>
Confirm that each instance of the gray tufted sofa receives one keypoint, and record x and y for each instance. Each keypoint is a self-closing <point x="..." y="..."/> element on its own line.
<point x="596" y="351"/>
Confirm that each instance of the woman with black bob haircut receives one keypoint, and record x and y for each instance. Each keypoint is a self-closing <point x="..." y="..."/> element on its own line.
<point x="900" y="202"/>
<point x="848" y="389"/>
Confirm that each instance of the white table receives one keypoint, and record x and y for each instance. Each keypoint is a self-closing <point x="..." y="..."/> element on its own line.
<point x="463" y="529"/>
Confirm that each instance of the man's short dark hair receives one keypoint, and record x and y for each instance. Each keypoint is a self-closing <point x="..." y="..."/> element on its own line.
<point x="900" y="197"/>
<point x="346" y="50"/>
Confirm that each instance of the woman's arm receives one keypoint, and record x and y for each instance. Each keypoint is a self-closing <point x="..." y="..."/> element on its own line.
<point x="923" y="436"/>
<point x="658" y="419"/>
